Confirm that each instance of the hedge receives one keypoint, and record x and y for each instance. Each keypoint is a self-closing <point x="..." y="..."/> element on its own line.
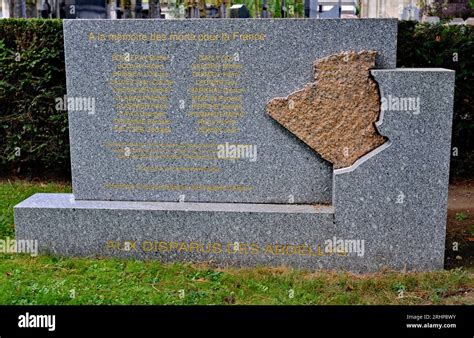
<point x="34" y="136"/>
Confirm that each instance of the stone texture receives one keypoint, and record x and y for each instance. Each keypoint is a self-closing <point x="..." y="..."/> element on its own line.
<point x="394" y="199"/>
<point x="336" y="114"/>
<point x="191" y="232"/>
<point x="286" y="168"/>
<point x="397" y="196"/>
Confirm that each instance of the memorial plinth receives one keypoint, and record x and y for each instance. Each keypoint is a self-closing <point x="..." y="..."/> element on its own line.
<point x="198" y="141"/>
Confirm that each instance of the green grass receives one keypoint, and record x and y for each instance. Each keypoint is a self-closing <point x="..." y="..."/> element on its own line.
<point x="461" y="216"/>
<point x="13" y="192"/>
<point x="53" y="280"/>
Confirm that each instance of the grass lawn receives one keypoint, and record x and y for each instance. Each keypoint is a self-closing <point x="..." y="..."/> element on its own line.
<point x="54" y="280"/>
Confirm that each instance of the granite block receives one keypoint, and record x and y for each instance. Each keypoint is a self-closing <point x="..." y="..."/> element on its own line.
<point x="398" y="195"/>
<point x="221" y="233"/>
<point x="156" y="101"/>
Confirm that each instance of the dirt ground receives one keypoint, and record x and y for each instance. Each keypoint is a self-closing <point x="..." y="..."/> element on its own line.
<point x="460" y="227"/>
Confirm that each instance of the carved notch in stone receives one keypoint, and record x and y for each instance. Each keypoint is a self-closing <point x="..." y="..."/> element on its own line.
<point x="336" y="114"/>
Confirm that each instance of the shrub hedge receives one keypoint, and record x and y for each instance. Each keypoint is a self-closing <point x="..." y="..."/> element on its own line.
<point x="34" y="135"/>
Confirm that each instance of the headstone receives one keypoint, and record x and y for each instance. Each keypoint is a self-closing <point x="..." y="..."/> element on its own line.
<point x="181" y="11"/>
<point x="250" y="142"/>
<point x="456" y="21"/>
<point x="469" y="21"/>
<point x="411" y="13"/>
<point x="333" y="13"/>
<point x="170" y="132"/>
<point x="311" y="9"/>
<point x="432" y="20"/>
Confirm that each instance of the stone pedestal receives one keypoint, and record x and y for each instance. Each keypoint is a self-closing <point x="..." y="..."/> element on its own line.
<point x="386" y="210"/>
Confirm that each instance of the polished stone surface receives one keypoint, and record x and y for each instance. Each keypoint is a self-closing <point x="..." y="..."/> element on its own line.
<point x="206" y="94"/>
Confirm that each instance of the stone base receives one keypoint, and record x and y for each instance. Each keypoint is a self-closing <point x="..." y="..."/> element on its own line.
<point x="220" y="233"/>
<point x="224" y="233"/>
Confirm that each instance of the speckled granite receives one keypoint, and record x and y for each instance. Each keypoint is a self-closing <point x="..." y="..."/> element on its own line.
<point x="397" y="198"/>
<point x="111" y="165"/>
<point x="223" y="233"/>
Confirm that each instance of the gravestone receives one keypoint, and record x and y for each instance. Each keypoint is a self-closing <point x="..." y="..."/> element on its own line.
<point x="456" y="21"/>
<point x="432" y="20"/>
<point x="158" y="139"/>
<point x="333" y="13"/>
<point x="469" y="21"/>
<point x="411" y="13"/>
<point x="249" y="142"/>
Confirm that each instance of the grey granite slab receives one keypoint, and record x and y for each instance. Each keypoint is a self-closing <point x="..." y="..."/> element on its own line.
<point x="398" y="195"/>
<point x="65" y="201"/>
<point x="119" y="152"/>
<point x="237" y="234"/>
